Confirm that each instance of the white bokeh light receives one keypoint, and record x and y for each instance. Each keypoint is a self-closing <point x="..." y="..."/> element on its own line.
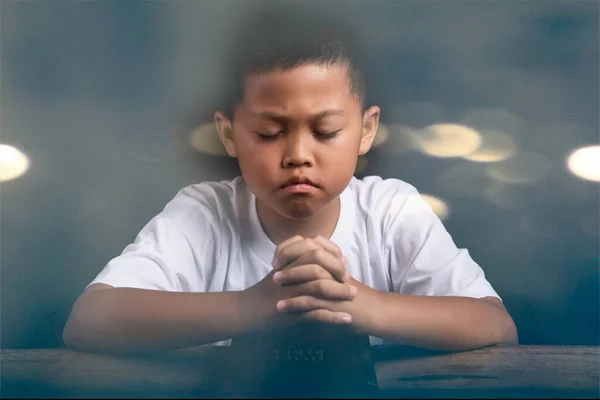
<point x="585" y="163"/>
<point x="13" y="163"/>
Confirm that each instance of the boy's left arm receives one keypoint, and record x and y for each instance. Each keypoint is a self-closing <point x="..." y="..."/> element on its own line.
<point x="446" y="323"/>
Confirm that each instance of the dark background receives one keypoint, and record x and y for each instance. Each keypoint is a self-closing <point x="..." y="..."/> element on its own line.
<point x="103" y="95"/>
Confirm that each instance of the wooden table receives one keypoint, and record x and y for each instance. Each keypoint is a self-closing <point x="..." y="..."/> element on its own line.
<point x="498" y="371"/>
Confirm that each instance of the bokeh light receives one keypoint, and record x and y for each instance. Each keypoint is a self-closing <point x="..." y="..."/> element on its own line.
<point x="463" y="180"/>
<point x="13" y="163"/>
<point x="495" y="146"/>
<point x="439" y="207"/>
<point x="205" y="139"/>
<point x="585" y="163"/>
<point x="524" y="167"/>
<point x="448" y="140"/>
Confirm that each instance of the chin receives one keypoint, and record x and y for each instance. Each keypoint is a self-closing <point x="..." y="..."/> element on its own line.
<point x="298" y="213"/>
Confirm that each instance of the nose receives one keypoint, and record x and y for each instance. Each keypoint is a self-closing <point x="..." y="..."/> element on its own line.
<point x="297" y="151"/>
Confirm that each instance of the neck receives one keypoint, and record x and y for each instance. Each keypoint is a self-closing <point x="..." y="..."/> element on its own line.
<point x="279" y="228"/>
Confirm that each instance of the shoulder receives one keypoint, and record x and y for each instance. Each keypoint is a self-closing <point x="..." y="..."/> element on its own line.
<point x="392" y="203"/>
<point x="378" y="195"/>
<point x="208" y="201"/>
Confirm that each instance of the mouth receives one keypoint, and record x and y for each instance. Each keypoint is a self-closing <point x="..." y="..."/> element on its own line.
<point x="300" y="182"/>
<point x="299" y="185"/>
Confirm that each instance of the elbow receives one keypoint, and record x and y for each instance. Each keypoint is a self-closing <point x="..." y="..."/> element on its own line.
<point x="73" y="331"/>
<point x="82" y="328"/>
<point x="509" y="336"/>
<point x="505" y="333"/>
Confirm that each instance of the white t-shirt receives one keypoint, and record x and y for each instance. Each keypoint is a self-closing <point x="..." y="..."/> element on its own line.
<point x="209" y="239"/>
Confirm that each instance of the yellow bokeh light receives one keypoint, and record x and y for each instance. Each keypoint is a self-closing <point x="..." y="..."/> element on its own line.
<point x="495" y="146"/>
<point x="13" y="163"/>
<point x="585" y="163"/>
<point x="439" y="207"/>
<point x="361" y="164"/>
<point x="381" y="136"/>
<point x="525" y="167"/>
<point x="448" y="140"/>
<point x="206" y="140"/>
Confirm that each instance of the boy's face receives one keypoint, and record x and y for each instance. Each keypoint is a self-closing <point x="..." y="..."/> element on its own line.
<point x="302" y="122"/>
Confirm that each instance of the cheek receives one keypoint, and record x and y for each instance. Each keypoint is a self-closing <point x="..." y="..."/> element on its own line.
<point x="257" y="167"/>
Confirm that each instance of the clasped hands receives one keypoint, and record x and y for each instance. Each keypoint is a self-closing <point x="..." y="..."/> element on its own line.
<point x="310" y="283"/>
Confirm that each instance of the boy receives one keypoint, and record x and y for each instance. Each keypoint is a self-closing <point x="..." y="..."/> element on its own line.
<point x="296" y="237"/>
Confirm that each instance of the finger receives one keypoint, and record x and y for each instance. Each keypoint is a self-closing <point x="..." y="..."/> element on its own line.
<point x="323" y="289"/>
<point x="276" y="264"/>
<point x="326" y="317"/>
<point x="285" y="255"/>
<point x="301" y="304"/>
<point x="329" y="246"/>
<point x="301" y="274"/>
<point x="328" y="289"/>
<point x="328" y="261"/>
<point x="332" y="264"/>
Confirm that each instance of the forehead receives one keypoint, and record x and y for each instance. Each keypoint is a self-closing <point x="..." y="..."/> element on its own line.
<point x="307" y="88"/>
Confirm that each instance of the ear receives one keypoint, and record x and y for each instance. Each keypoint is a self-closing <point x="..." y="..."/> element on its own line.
<point x="225" y="131"/>
<point x="370" y="124"/>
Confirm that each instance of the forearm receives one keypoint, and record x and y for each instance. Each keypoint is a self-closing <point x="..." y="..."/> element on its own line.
<point x="137" y="320"/>
<point x="442" y="323"/>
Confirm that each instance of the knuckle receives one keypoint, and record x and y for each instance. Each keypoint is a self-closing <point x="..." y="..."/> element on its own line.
<point x="318" y="253"/>
<point x="306" y="303"/>
<point x="316" y="270"/>
<point x="322" y="286"/>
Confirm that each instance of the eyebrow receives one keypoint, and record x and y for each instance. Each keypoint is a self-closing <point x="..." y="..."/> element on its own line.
<point x="279" y="117"/>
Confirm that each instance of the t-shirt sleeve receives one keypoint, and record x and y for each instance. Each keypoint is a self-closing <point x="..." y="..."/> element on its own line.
<point x="423" y="258"/>
<point x="166" y="255"/>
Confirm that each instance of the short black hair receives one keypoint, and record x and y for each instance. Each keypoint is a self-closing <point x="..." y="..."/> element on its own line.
<point x="281" y="35"/>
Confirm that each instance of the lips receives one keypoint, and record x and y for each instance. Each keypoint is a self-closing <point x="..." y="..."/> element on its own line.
<point x="298" y="180"/>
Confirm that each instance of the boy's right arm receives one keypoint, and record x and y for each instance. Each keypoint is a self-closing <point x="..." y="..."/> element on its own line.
<point x="127" y="320"/>
<point x="108" y="319"/>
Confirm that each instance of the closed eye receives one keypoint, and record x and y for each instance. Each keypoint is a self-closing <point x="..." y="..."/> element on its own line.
<point x="328" y="135"/>
<point x="320" y="135"/>
<point x="263" y="136"/>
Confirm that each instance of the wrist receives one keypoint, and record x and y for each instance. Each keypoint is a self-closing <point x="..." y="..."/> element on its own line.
<point x="245" y="321"/>
<point x="367" y="309"/>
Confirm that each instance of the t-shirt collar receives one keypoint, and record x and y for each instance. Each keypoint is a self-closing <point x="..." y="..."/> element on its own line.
<point x="264" y="248"/>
